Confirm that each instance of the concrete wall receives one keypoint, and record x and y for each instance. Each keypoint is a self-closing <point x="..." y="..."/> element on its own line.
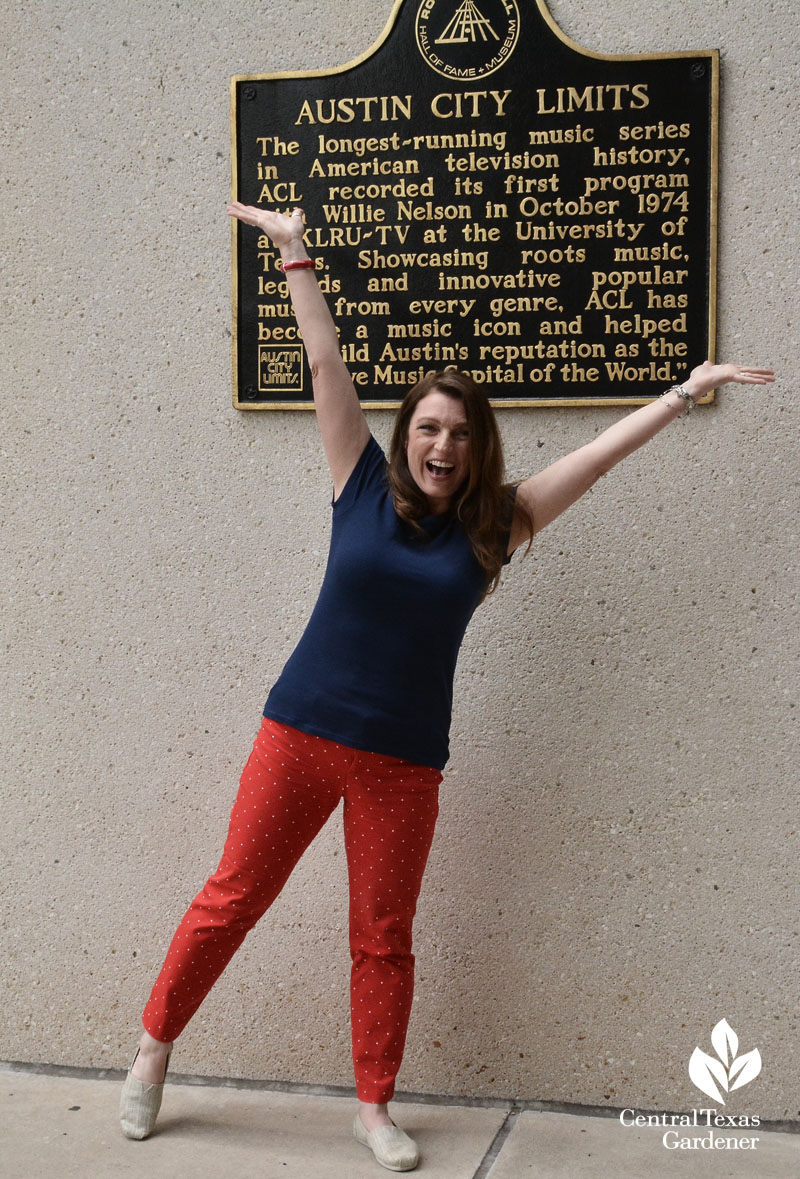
<point x="615" y="867"/>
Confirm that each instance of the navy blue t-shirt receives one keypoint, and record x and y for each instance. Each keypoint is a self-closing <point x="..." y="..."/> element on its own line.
<point x="374" y="668"/>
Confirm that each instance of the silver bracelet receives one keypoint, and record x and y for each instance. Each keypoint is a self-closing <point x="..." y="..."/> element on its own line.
<point x="682" y="393"/>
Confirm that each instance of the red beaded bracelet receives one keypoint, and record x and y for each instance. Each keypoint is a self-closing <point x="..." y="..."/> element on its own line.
<point x="305" y="264"/>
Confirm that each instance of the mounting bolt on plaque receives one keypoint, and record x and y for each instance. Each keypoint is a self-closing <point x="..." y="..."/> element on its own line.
<point x="249" y="92"/>
<point x="698" y="70"/>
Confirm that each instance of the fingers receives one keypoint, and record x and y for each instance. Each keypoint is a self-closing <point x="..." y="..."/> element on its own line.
<point x="237" y="209"/>
<point x="754" y="376"/>
<point x="246" y="213"/>
<point x="708" y="376"/>
<point x="280" y="229"/>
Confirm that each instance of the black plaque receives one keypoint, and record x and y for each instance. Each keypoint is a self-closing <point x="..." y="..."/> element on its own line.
<point x="482" y="193"/>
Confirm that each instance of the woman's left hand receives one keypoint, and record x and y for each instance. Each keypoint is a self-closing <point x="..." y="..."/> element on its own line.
<point x="708" y="376"/>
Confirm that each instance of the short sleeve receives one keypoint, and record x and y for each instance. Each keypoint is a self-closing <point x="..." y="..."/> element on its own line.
<point x="368" y="474"/>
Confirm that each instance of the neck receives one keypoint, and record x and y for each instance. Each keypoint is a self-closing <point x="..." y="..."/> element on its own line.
<point x="438" y="507"/>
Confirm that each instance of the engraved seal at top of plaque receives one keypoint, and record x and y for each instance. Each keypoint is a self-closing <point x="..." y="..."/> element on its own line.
<point x="466" y="39"/>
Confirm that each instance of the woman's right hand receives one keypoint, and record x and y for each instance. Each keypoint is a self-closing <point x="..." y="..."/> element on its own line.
<point x="341" y="419"/>
<point x="285" y="232"/>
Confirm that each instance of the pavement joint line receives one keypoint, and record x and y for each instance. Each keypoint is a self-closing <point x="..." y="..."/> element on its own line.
<point x="498" y="1142"/>
<point x="513" y="1106"/>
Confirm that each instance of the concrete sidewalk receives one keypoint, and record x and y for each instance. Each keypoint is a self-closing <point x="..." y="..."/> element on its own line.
<point x="65" y="1127"/>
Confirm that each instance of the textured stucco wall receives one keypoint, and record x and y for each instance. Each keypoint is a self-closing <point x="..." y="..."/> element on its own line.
<point x="615" y="867"/>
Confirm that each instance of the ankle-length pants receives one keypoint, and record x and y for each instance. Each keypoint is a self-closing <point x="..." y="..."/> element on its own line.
<point x="290" y="786"/>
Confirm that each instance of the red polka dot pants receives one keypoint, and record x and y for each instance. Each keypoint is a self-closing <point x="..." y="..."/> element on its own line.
<point x="290" y="786"/>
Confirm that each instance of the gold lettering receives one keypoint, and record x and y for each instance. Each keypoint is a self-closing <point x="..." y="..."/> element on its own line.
<point x="567" y="99"/>
<point x="408" y="211"/>
<point x="278" y="194"/>
<point x="577" y="134"/>
<point x="386" y="108"/>
<point x="362" y="307"/>
<point x="469" y="104"/>
<point x="373" y="167"/>
<point x="525" y="287"/>
<point x="561" y="327"/>
<point x="430" y="329"/>
<point x="640" y="326"/>
<point x="271" y="144"/>
<point x="388" y="283"/>
<point x="658" y="130"/>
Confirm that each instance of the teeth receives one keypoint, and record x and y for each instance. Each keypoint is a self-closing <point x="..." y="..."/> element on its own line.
<point x="441" y="466"/>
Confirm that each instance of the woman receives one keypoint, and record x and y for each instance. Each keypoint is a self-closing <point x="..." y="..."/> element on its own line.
<point x="362" y="709"/>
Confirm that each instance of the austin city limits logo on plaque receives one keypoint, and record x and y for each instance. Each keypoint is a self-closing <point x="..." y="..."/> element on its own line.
<point x="467" y="38"/>
<point x="280" y="368"/>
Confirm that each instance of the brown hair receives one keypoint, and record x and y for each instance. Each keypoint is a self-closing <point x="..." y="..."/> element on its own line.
<point x="483" y="503"/>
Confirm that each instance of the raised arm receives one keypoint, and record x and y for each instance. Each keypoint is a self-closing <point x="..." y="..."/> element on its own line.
<point x="341" y="420"/>
<point x="551" y="491"/>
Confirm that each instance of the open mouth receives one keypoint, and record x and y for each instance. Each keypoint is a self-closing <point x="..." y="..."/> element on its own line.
<point x="439" y="470"/>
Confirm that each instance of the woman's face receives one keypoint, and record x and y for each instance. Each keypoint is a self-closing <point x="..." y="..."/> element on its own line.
<point x="437" y="448"/>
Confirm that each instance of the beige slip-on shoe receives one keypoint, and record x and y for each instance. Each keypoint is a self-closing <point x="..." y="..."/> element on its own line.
<point x="391" y="1146"/>
<point x="139" y="1104"/>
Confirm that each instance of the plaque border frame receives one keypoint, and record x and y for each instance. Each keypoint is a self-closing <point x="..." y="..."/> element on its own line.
<point x="713" y="57"/>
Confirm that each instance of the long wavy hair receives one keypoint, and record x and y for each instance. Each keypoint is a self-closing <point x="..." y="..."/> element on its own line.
<point x="484" y="503"/>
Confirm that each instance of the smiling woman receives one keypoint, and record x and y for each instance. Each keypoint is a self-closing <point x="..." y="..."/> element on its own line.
<point x="361" y="711"/>
<point x="437" y="448"/>
<point x="446" y="455"/>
